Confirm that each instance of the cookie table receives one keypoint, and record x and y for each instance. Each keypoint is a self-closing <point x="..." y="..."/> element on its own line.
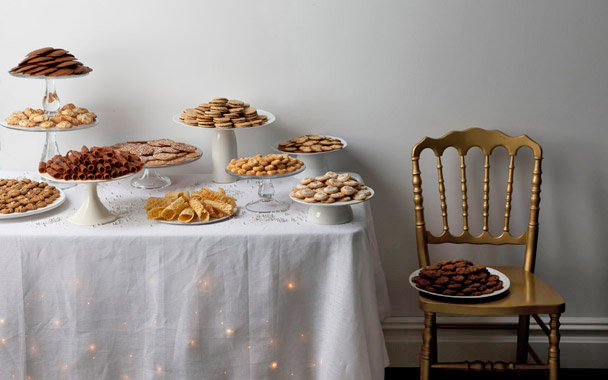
<point x="258" y="296"/>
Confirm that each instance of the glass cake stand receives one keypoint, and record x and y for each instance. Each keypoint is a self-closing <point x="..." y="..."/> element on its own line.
<point x="150" y="178"/>
<point x="50" y="105"/>
<point x="316" y="162"/>
<point x="224" y="147"/>
<point x="92" y="211"/>
<point x="267" y="202"/>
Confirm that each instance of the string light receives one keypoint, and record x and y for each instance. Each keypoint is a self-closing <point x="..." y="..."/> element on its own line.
<point x="92" y="347"/>
<point x="3" y="340"/>
<point x="1" y="321"/>
<point x="159" y="369"/>
<point x="57" y="323"/>
<point x="290" y="285"/>
<point x="130" y="355"/>
<point x="193" y="343"/>
<point x="274" y="365"/>
<point x="229" y="331"/>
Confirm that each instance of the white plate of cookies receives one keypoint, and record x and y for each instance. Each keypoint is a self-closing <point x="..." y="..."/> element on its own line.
<point x="52" y="197"/>
<point x="311" y="145"/>
<point x="331" y="189"/>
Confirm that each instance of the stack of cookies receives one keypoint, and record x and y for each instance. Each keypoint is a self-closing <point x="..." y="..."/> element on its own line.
<point x="223" y="113"/>
<point x="67" y="117"/>
<point x="329" y="188"/>
<point x="262" y="166"/>
<point x="50" y="62"/>
<point x="160" y="152"/>
<point x="457" y="278"/>
<point x="311" y="144"/>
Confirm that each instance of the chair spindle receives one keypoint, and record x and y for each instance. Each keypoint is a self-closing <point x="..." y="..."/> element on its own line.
<point x="463" y="188"/>
<point x="486" y="192"/>
<point x="444" y="207"/>
<point x="509" y="193"/>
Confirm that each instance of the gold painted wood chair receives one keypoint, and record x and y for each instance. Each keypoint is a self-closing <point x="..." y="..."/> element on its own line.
<point x="527" y="296"/>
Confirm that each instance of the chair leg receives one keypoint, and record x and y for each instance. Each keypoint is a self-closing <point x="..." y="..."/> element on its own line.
<point x="554" y="347"/>
<point x="426" y="352"/>
<point x="523" y="334"/>
<point x="434" y="339"/>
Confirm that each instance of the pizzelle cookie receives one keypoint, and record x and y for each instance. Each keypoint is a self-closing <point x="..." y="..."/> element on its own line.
<point x="160" y="152"/>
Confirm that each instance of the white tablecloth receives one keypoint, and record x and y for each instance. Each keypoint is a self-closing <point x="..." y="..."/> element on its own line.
<point x="261" y="296"/>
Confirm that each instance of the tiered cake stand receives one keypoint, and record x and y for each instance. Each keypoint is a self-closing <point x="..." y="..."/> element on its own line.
<point x="331" y="213"/>
<point x="92" y="211"/>
<point x="224" y="146"/>
<point x="150" y="178"/>
<point x="266" y="202"/>
<point x="316" y="163"/>
<point x="50" y="105"/>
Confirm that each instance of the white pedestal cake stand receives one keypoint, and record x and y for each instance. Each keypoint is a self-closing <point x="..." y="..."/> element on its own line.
<point x="151" y="179"/>
<point x="331" y="213"/>
<point x="316" y="163"/>
<point x="50" y="105"/>
<point x="92" y="211"/>
<point x="224" y="147"/>
<point x="267" y="202"/>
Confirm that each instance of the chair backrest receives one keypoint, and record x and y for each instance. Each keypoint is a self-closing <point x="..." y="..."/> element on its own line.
<point x="486" y="140"/>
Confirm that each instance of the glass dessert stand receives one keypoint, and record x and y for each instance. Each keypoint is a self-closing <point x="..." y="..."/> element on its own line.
<point x="331" y="213"/>
<point x="316" y="162"/>
<point x="150" y="178"/>
<point x="50" y="105"/>
<point x="266" y="201"/>
<point x="92" y="211"/>
<point x="224" y="146"/>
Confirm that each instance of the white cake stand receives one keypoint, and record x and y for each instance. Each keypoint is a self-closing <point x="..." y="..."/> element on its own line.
<point x="316" y="163"/>
<point x="50" y="104"/>
<point x="331" y="213"/>
<point x="267" y="202"/>
<point x="92" y="211"/>
<point x="150" y="178"/>
<point x="224" y="147"/>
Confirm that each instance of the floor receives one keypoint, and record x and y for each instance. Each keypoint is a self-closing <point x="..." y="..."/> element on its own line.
<point x="565" y="374"/>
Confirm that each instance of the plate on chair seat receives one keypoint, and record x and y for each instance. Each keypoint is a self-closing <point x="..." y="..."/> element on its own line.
<point x="501" y="276"/>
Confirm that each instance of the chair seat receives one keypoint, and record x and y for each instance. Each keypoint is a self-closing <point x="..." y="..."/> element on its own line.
<point x="527" y="294"/>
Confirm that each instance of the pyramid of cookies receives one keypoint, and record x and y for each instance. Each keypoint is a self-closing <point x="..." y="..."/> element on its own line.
<point x="50" y="62"/>
<point x="223" y="113"/>
<point x="457" y="278"/>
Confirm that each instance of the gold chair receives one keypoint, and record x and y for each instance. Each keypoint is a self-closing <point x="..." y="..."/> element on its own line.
<point x="527" y="296"/>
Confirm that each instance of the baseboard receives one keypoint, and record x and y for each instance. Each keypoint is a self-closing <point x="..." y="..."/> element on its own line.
<point x="584" y="341"/>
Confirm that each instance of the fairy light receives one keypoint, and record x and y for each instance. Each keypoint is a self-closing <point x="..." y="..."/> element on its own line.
<point x="302" y="335"/>
<point x="274" y="365"/>
<point x="3" y="340"/>
<point x="64" y="367"/>
<point x="229" y="331"/>
<point x="193" y="343"/>
<point x="57" y="323"/>
<point x="290" y="285"/>
<point x="130" y="355"/>
<point x="267" y="321"/>
<point x="159" y="369"/>
<point x="88" y="302"/>
<point x="92" y="347"/>
<point x="2" y="321"/>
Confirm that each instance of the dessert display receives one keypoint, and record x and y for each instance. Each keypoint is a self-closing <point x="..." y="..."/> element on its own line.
<point x="97" y="163"/>
<point x="330" y="188"/>
<point x="311" y="144"/>
<point x="50" y="62"/>
<point x="262" y="166"/>
<point x="223" y="114"/>
<point x="22" y="195"/>
<point x="160" y="152"/>
<point x="457" y="278"/>
<point x="67" y="117"/>
<point x="200" y="206"/>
